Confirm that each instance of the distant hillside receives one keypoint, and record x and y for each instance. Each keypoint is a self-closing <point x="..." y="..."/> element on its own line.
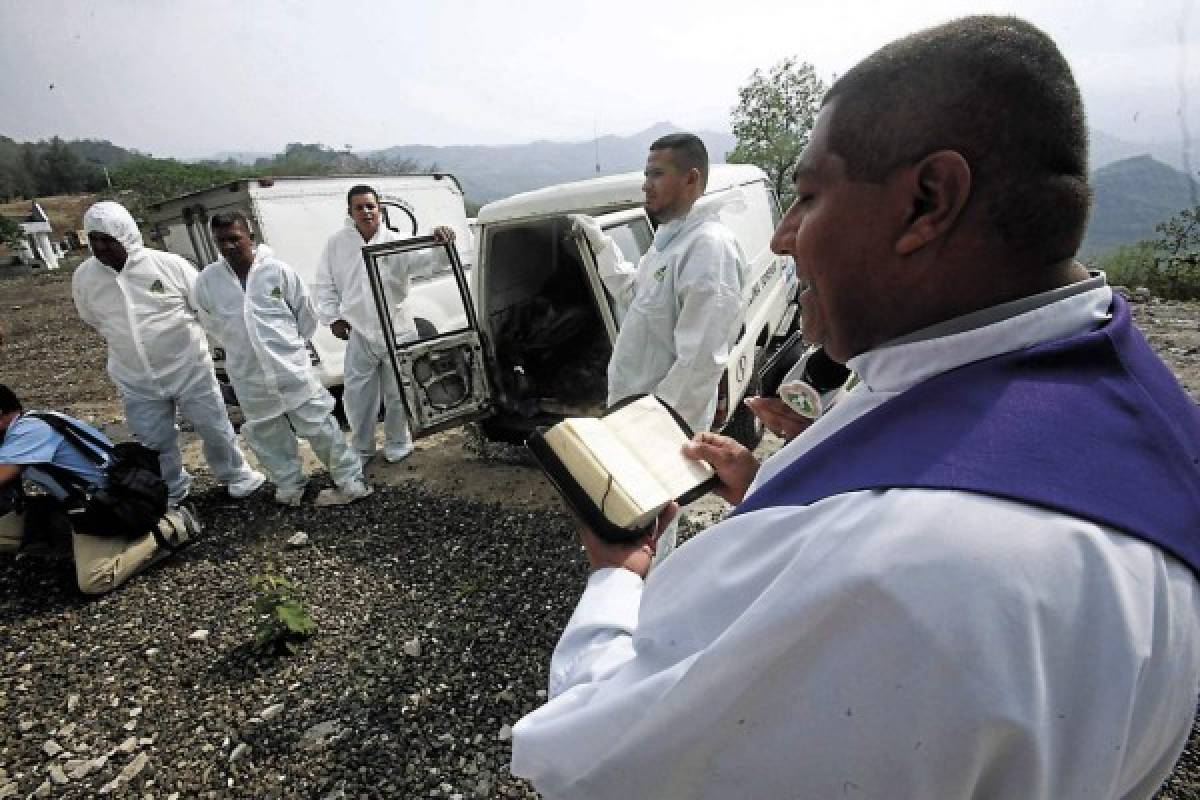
<point x="1105" y="150"/>
<point x="1131" y="197"/>
<point x="488" y="173"/>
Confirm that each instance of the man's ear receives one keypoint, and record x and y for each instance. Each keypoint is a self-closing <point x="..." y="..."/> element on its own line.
<point x="937" y="187"/>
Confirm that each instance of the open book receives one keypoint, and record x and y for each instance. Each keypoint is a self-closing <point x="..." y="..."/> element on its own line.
<point x="619" y="471"/>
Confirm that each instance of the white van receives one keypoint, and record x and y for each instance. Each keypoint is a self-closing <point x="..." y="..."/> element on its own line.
<point x="540" y="326"/>
<point x="296" y="216"/>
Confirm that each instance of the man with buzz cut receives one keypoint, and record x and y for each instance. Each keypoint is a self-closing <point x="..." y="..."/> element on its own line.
<point x="138" y="299"/>
<point x="260" y="311"/>
<point x="678" y="305"/>
<point x="344" y="303"/>
<point x="976" y="575"/>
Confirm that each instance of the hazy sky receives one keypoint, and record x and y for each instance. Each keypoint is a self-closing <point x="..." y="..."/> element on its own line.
<point x="197" y="77"/>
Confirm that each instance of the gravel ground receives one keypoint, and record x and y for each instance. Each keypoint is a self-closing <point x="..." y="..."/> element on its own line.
<point x="439" y="600"/>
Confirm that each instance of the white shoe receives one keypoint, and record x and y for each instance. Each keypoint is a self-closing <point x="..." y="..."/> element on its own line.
<point x="246" y="486"/>
<point x="343" y="495"/>
<point x="398" y="453"/>
<point x="289" y="497"/>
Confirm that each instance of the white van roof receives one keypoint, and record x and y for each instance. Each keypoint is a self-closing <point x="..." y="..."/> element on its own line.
<point x="608" y="193"/>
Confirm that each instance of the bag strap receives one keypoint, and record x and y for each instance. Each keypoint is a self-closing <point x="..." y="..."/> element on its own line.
<point x="95" y="449"/>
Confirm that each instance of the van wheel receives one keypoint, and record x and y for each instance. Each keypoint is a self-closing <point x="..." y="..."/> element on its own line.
<point x="745" y="428"/>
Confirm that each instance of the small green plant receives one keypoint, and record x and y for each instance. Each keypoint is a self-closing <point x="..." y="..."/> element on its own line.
<point x="282" y="621"/>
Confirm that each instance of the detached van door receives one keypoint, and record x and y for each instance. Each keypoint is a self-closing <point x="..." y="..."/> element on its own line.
<point x="442" y="377"/>
<point x="633" y="235"/>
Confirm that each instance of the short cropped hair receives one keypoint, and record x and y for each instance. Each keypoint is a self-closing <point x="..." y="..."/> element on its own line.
<point x="227" y="219"/>
<point x="360" y="188"/>
<point x="687" y="151"/>
<point x="997" y="91"/>
<point x="8" y="400"/>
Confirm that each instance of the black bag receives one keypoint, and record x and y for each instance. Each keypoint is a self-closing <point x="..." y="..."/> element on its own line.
<point x="136" y="495"/>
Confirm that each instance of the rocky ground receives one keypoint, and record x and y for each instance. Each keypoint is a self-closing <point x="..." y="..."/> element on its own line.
<point x="438" y="601"/>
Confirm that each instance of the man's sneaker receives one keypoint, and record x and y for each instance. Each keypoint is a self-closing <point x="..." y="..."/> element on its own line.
<point x="289" y="497"/>
<point x="343" y="495"/>
<point x="397" y="453"/>
<point x="247" y="485"/>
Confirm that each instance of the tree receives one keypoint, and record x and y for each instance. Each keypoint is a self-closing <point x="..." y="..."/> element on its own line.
<point x="774" y="118"/>
<point x="10" y="231"/>
<point x="1181" y="233"/>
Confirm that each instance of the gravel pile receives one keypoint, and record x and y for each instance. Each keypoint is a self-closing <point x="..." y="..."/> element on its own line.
<point x="437" y="618"/>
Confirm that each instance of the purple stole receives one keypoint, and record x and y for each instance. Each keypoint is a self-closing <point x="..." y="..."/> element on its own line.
<point x="1094" y="426"/>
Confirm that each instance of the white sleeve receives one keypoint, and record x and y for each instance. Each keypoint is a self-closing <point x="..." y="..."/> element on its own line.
<point x="302" y="306"/>
<point x="616" y="273"/>
<point x="328" y="299"/>
<point x="185" y="274"/>
<point x="82" y="304"/>
<point x="708" y="291"/>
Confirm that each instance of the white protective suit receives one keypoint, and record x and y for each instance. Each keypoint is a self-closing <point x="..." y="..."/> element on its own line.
<point x="682" y="301"/>
<point x="344" y="292"/>
<point x="902" y="644"/>
<point x="157" y="354"/>
<point x="264" y="329"/>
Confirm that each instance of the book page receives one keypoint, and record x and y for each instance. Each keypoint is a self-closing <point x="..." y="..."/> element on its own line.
<point x="592" y="455"/>
<point x="651" y="433"/>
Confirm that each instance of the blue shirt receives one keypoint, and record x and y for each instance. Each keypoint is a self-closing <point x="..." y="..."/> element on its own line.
<point x="30" y="441"/>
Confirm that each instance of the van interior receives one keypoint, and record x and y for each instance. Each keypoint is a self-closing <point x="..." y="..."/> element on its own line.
<point x="551" y="347"/>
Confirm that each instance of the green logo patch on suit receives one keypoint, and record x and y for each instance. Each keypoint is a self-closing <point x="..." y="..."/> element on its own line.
<point x="658" y="273"/>
<point x="157" y="287"/>
<point x="277" y="293"/>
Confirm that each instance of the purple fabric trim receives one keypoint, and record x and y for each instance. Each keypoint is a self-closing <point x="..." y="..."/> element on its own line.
<point x="1093" y="425"/>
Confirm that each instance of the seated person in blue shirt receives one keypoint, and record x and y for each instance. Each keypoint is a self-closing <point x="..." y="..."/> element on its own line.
<point x="102" y="563"/>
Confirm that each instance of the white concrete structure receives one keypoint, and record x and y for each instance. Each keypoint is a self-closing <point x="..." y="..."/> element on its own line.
<point x="36" y="228"/>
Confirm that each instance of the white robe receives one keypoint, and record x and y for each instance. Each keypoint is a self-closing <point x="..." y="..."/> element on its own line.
<point x="264" y="329"/>
<point x="899" y="644"/>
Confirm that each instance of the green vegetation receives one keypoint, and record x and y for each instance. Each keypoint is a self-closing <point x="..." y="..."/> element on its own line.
<point x="10" y="231"/>
<point x="1168" y="266"/>
<point x="33" y="169"/>
<point x="281" y="619"/>
<point x="774" y="118"/>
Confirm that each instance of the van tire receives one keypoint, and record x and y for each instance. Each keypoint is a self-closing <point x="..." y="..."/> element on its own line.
<point x="745" y="428"/>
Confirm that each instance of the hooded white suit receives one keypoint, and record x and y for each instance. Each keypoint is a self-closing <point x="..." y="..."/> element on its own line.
<point x="157" y="355"/>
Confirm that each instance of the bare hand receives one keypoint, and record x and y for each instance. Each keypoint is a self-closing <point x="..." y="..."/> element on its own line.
<point x="341" y="329"/>
<point x="735" y="465"/>
<point x="635" y="556"/>
<point x="779" y="418"/>
<point x="443" y="234"/>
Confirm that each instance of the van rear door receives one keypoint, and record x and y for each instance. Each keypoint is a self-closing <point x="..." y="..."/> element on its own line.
<point x="441" y="375"/>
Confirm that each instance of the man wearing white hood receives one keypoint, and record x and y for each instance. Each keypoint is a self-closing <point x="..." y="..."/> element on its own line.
<point x="138" y="300"/>
<point x="258" y="308"/>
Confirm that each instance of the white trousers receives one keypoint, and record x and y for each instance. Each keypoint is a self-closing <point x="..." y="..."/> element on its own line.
<point x="368" y="378"/>
<point x="273" y="440"/>
<point x="152" y="421"/>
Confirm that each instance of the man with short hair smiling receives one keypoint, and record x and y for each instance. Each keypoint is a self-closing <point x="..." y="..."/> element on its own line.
<point x="137" y="299"/>
<point x="258" y="308"/>
<point x="344" y="303"/>
<point x="976" y="576"/>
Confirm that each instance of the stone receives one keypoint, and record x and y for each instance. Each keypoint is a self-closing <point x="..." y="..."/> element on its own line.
<point x="9" y="790"/>
<point x="505" y="733"/>
<point x="128" y="746"/>
<point x="51" y="748"/>
<point x="320" y="735"/>
<point x="412" y="648"/>
<point x="151" y="652"/>
<point x="25" y="725"/>
<point x="110" y="787"/>
<point x="135" y="766"/>
<point x="72" y="703"/>
<point x="43" y="790"/>
<point x="57" y="775"/>
<point x="271" y="712"/>
<point x="239" y="751"/>
<point x="200" y="635"/>
<point x="298" y="539"/>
